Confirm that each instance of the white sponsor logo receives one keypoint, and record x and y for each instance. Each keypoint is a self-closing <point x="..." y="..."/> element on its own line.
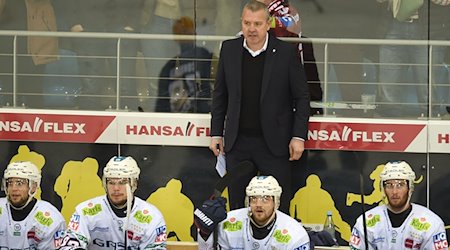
<point x="41" y="126"/>
<point x="348" y="134"/>
<point x="203" y="217"/>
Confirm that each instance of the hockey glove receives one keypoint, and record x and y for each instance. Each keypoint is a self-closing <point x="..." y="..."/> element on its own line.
<point x="209" y="215"/>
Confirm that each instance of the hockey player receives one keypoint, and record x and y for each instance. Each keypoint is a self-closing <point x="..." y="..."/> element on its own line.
<point x="399" y="224"/>
<point x="25" y="222"/>
<point x="117" y="220"/>
<point x="257" y="226"/>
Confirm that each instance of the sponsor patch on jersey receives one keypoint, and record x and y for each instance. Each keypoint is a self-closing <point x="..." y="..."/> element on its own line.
<point x="355" y="238"/>
<point x="74" y="222"/>
<point x="161" y="230"/>
<point x="282" y="236"/>
<point x="440" y="241"/>
<point x="0" y="211"/>
<point x="232" y="225"/>
<point x="92" y="209"/>
<point x="142" y="218"/>
<point x="43" y="218"/>
<point x="420" y="224"/>
<point x="372" y="220"/>
<point x="161" y="235"/>
<point x="58" y="238"/>
<point x="303" y="247"/>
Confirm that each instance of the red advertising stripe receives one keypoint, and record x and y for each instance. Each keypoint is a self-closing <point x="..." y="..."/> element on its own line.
<point x="52" y="127"/>
<point x="362" y="136"/>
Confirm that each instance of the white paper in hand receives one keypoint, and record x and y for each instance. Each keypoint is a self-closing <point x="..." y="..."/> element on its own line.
<point x="221" y="166"/>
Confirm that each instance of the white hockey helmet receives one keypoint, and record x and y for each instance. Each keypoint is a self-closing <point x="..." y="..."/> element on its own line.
<point x="122" y="167"/>
<point x="398" y="170"/>
<point x="263" y="185"/>
<point x="22" y="169"/>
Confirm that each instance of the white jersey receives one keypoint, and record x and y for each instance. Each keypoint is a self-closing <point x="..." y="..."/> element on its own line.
<point x="235" y="233"/>
<point x="36" y="231"/>
<point x="98" y="226"/>
<point x="422" y="229"/>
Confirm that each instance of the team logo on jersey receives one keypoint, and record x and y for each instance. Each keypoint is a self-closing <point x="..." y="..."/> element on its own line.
<point x="372" y="220"/>
<point x="92" y="209"/>
<point x="440" y="241"/>
<point x="0" y="211"/>
<point x="142" y="218"/>
<point x="43" y="218"/>
<point x="232" y="225"/>
<point x="74" y="222"/>
<point x="420" y="224"/>
<point x="282" y="236"/>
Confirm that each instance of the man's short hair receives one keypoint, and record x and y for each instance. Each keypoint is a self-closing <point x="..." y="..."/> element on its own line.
<point x="254" y="5"/>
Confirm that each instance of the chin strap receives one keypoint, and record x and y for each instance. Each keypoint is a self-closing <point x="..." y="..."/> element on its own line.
<point x="30" y="198"/>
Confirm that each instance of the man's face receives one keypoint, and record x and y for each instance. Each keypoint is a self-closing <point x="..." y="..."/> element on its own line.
<point x="397" y="194"/>
<point x="17" y="189"/>
<point x="254" y="28"/>
<point x="262" y="208"/>
<point x="117" y="190"/>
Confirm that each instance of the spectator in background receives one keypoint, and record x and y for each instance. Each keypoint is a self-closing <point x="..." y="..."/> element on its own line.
<point x="90" y="16"/>
<point x="286" y="22"/>
<point x="32" y="15"/>
<point x="184" y="83"/>
<point x="158" y="17"/>
<point x="97" y="57"/>
<point x="439" y="26"/>
<point x="404" y="68"/>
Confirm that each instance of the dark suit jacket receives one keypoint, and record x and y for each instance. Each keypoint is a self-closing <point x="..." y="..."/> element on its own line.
<point x="284" y="95"/>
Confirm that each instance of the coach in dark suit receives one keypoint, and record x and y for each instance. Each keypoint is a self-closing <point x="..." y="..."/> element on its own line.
<point x="260" y="106"/>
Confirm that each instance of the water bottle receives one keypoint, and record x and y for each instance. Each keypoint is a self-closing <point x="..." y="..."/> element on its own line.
<point x="329" y="226"/>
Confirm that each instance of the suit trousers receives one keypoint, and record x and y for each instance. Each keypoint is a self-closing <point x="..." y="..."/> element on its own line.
<point x="254" y="149"/>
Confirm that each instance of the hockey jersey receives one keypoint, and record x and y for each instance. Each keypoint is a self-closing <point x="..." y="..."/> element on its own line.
<point x="235" y="233"/>
<point x="422" y="229"/>
<point x="36" y="231"/>
<point x="96" y="225"/>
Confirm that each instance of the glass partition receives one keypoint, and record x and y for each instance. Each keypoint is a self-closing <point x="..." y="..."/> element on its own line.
<point x="123" y="55"/>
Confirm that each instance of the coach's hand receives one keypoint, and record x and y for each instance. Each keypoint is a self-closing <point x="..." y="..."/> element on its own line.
<point x="296" y="148"/>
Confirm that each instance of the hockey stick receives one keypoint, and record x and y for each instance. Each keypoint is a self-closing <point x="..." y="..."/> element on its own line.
<point x="242" y="169"/>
